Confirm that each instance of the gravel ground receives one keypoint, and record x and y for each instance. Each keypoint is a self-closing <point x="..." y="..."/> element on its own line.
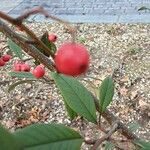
<point x="121" y="49"/>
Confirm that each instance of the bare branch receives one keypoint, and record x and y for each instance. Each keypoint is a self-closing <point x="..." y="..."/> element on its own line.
<point x="28" y="48"/>
<point x="41" y="10"/>
<point x="111" y="119"/>
<point x="105" y="137"/>
<point x="13" y="21"/>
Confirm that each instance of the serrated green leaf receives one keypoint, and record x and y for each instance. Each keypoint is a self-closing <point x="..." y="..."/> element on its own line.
<point x="12" y="86"/>
<point x="78" y="98"/>
<point x="109" y="146"/>
<point x="106" y="93"/>
<point x="7" y="141"/>
<point x="22" y="75"/>
<point x="133" y="126"/>
<point x="143" y="144"/>
<point x="143" y="8"/>
<point x="15" y="48"/>
<point x="48" y="137"/>
<point x="72" y="114"/>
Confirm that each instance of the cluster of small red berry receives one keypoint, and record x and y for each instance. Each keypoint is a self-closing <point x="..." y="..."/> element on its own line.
<point x="70" y="59"/>
<point x="38" y="71"/>
<point x="4" y="59"/>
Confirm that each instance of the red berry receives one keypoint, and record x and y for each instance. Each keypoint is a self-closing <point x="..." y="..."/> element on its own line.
<point x="52" y="38"/>
<point x="38" y="72"/>
<point x="6" y="57"/>
<point x="2" y="63"/>
<point x="17" y="67"/>
<point x="25" y="67"/>
<point x="72" y="59"/>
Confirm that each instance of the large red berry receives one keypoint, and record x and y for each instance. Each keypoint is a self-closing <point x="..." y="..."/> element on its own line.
<point x="2" y="63"/>
<point x="39" y="71"/>
<point x="17" y="67"/>
<point x="6" y="57"/>
<point x="72" y="59"/>
<point x="52" y="38"/>
<point x="25" y="67"/>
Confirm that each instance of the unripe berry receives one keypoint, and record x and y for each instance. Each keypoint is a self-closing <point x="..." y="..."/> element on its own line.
<point x="6" y="57"/>
<point x="25" y="67"/>
<point x="52" y="38"/>
<point x="2" y="63"/>
<point x="72" y="59"/>
<point x="39" y="71"/>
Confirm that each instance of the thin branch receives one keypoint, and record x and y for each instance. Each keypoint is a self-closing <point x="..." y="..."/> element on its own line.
<point x="28" y="48"/>
<point x="105" y="137"/>
<point x="41" y="10"/>
<point x="13" y="21"/>
<point x="37" y="10"/>
<point x="111" y="118"/>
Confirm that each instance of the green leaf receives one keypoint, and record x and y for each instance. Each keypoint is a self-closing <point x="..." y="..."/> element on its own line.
<point x="49" y="44"/>
<point x="7" y="141"/>
<point x="144" y="145"/>
<point x="109" y="146"/>
<point x="72" y="114"/>
<point x="133" y="126"/>
<point x="78" y="98"/>
<point x="12" y="86"/>
<point x="106" y="93"/>
<point x="22" y="75"/>
<point x="15" y="48"/>
<point x="143" y="8"/>
<point x="48" y="137"/>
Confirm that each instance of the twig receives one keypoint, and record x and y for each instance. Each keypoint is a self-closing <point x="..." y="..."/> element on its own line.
<point x="28" y="48"/>
<point x="13" y="21"/>
<point x="105" y="137"/>
<point x="37" y="10"/>
<point x="123" y="129"/>
<point x="41" y="10"/>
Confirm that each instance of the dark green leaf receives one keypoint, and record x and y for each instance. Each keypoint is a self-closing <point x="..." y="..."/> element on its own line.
<point x="48" y="137"/>
<point x="7" y="141"/>
<point x="106" y="93"/>
<point x="12" y="86"/>
<point x="15" y="48"/>
<point x="76" y="96"/>
<point x="143" y="8"/>
<point x="49" y="44"/>
<point x="22" y="75"/>
<point x="133" y="126"/>
<point x="109" y="146"/>
<point x="72" y="114"/>
<point x="144" y="145"/>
